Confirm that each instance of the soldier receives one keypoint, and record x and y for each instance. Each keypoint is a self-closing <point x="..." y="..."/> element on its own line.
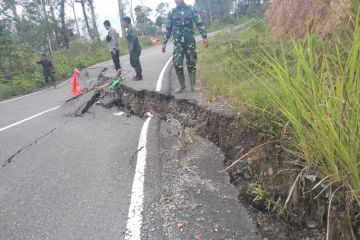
<point x="113" y="41"/>
<point x="180" y="25"/>
<point x="48" y="69"/>
<point x="134" y="47"/>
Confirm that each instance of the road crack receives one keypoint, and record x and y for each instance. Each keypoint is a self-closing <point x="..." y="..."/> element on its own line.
<point x="11" y="159"/>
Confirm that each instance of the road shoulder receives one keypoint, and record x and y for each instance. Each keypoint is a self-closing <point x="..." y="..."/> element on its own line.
<point x="197" y="200"/>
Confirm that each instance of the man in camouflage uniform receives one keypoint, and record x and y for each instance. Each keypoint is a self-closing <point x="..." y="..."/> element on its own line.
<point x="134" y="47"/>
<point x="180" y="25"/>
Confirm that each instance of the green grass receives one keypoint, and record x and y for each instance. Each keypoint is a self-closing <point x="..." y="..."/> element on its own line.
<point x="81" y="54"/>
<point x="224" y="65"/>
<point x="319" y="96"/>
<point x="311" y="86"/>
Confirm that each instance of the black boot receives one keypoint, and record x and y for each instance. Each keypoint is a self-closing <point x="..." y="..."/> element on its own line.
<point x="138" y="76"/>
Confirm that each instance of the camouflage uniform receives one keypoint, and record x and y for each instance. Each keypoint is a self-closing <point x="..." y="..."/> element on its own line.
<point x="180" y="25"/>
<point x="135" y="50"/>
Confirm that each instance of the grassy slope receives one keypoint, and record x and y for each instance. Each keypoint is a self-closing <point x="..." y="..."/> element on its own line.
<point x="81" y="54"/>
<point x="310" y="87"/>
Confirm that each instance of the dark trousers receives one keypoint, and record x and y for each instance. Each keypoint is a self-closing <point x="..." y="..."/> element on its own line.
<point x="116" y="59"/>
<point x="48" y="75"/>
<point x="135" y="60"/>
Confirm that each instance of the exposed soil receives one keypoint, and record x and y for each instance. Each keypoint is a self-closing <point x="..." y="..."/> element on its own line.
<point x="264" y="176"/>
<point x="294" y="18"/>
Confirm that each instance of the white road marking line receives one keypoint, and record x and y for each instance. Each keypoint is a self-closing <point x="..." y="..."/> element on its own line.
<point x="27" y="95"/>
<point x="64" y="82"/>
<point x="134" y="224"/>
<point x="161" y="77"/>
<point x="29" y="118"/>
<point x="119" y="114"/>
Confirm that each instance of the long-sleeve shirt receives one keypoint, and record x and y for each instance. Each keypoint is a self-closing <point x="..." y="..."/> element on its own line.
<point x="132" y="38"/>
<point x="180" y="23"/>
<point x="47" y="65"/>
<point x="114" y="39"/>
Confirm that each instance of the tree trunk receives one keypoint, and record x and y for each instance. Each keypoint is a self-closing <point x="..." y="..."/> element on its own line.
<point x="93" y="16"/>
<point x="43" y="5"/>
<point x="72" y="3"/>
<point x="131" y="12"/>
<point x="121" y="14"/>
<point x="211" y="18"/>
<point x="54" y="22"/>
<point x="86" y="19"/>
<point x="64" y="34"/>
<point x="15" y="15"/>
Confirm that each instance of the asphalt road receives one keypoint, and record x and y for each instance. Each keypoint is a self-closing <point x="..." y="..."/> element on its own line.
<point x="65" y="177"/>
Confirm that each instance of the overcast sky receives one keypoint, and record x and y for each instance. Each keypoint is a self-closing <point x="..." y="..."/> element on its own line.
<point x="108" y="10"/>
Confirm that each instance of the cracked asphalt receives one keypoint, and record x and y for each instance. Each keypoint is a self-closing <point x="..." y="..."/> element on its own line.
<point x="69" y="177"/>
<point x="66" y="177"/>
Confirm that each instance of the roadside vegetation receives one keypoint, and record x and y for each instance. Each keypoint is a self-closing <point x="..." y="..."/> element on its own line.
<point x="309" y="89"/>
<point x="72" y="39"/>
<point x="20" y="74"/>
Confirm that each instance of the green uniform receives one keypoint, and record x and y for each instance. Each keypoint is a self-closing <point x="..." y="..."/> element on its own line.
<point x="180" y="26"/>
<point x="135" y="49"/>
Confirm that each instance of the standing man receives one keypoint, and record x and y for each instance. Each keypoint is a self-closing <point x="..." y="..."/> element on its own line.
<point x="134" y="47"/>
<point x="113" y="41"/>
<point x="180" y="25"/>
<point x="48" y="69"/>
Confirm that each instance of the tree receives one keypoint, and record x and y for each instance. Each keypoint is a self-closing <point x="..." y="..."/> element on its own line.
<point x="244" y="7"/>
<point x="121" y="15"/>
<point x="142" y="14"/>
<point x="93" y="16"/>
<point x="214" y="9"/>
<point x="72" y="4"/>
<point x="64" y="31"/>
<point x="144" y="23"/>
<point x="130" y="5"/>
<point x="82" y="2"/>
<point x="8" y="12"/>
<point x="36" y="14"/>
<point x="161" y="11"/>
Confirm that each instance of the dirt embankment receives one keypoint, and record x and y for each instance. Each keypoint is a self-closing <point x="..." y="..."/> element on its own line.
<point x="262" y="174"/>
<point x="295" y="18"/>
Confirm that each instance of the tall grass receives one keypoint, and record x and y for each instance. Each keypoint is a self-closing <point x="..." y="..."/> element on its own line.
<point x="311" y="85"/>
<point x="319" y="96"/>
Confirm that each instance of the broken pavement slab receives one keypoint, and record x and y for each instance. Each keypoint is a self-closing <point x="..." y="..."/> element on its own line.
<point x="197" y="201"/>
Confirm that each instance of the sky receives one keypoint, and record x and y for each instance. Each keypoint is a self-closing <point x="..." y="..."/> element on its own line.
<point x="108" y="10"/>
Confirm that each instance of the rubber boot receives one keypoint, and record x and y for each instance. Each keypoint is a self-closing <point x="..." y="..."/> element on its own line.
<point x="192" y="77"/>
<point x="138" y="76"/>
<point x="181" y="78"/>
